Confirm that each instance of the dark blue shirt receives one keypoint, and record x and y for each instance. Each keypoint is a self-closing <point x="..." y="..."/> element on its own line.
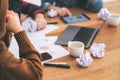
<point x="91" y="5"/>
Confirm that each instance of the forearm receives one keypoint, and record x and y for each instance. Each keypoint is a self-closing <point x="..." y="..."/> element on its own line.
<point x="31" y="10"/>
<point x="22" y="69"/>
<point x="30" y="56"/>
<point x="25" y="46"/>
<point x="28" y="67"/>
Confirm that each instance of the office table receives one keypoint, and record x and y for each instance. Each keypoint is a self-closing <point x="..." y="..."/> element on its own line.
<point x="106" y="68"/>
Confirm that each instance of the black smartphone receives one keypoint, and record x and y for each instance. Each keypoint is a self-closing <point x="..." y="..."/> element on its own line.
<point x="46" y="56"/>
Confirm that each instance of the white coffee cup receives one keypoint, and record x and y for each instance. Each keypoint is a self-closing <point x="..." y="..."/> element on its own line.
<point x="113" y="19"/>
<point x="75" y="48"/>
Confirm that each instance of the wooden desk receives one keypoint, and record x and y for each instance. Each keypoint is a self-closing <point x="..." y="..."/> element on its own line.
<point x="106" y="68"/>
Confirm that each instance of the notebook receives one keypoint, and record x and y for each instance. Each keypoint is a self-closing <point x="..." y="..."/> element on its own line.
<point x="75" y="33"/>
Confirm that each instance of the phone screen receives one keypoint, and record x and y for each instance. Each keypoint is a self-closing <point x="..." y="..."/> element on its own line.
<point x="46" y="56"/>
<point x="75" y="18"/>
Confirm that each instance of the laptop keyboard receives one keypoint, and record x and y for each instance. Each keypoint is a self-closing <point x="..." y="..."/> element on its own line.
<point x="75" y="33"/>
<point x="86" y="35"/>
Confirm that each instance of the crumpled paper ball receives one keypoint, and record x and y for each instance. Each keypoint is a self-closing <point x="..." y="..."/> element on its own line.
<point x="52" y="13"/>
<point x="29" y="25"/>
<point x="84" y="60"/>
<point x="103" y="14"/>
<point x="98" y="50"/>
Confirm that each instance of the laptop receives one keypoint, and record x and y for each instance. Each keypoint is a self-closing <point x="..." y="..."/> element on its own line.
<point x="77" y="33"/>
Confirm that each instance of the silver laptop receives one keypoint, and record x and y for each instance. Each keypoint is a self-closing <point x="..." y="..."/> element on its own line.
<point x="77" y="33"/>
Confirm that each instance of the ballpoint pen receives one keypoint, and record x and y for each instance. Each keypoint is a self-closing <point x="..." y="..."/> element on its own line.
<point x="52" y="23"/>
<point x="55" y="64"/>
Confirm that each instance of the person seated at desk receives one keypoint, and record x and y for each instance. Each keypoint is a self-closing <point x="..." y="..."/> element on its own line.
<point x="35" y="12"/>
<point x="61" y="6"/>
<point x="29" y="65"/>
<point x="29" y="10"/>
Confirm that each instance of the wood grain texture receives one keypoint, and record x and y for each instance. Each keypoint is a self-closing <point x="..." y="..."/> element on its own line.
<point x="106" y="68"/>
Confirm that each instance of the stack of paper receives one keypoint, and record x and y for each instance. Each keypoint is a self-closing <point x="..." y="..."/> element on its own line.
<point x="42" y="43"/>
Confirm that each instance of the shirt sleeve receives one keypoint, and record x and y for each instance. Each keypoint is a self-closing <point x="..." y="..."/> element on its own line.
<point x="94" y="5"/>
<point x="27" y="67"/>
<point x="31" y="9"/>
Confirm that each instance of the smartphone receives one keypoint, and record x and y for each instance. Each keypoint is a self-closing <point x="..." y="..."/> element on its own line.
<point x="46" y="56"/>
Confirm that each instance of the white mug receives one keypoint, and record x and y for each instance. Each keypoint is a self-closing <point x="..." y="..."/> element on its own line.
<point x="75" y="48"/>
<point x="113" y="19"/>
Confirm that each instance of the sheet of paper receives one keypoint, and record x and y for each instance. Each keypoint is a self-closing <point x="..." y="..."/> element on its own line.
<point x="55" y="51"/>
<point x="30" y="26"/>
<point x="46" y="44"/>
<point x="48" y="29"/>
<point x="42" y="44"/>
<point x="35" y="2"/>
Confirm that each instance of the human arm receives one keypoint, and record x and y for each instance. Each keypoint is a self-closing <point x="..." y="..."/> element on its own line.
<point x="36" y="13"/>
<point x="61" y="11"/>
<point x="29" y="66"/>
<point x="41" y="21"/>
<point x="50" y="4"/>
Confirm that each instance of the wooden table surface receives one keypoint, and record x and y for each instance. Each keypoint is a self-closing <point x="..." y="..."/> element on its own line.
<point x="106" y="68"/>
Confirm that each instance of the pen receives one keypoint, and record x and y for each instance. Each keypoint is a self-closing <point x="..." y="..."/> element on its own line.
<point x="52" y="22"/>
<point x="60" y="65"/>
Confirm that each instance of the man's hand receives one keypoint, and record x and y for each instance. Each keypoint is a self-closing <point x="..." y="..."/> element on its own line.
<point x="40" y="20"/>
<point x="23" y="17"/>
<point x="61" y="11"/>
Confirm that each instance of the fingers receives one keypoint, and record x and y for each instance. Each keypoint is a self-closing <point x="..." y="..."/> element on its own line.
<point x="41" y="24"/>
<point x="23" y="17"/>
<point x="67" y="12"/>
<point x="13" y="22"/>
<point x="63" y="12"/>
<point x="40" y="20"/>
<point x="10" y="14"/>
